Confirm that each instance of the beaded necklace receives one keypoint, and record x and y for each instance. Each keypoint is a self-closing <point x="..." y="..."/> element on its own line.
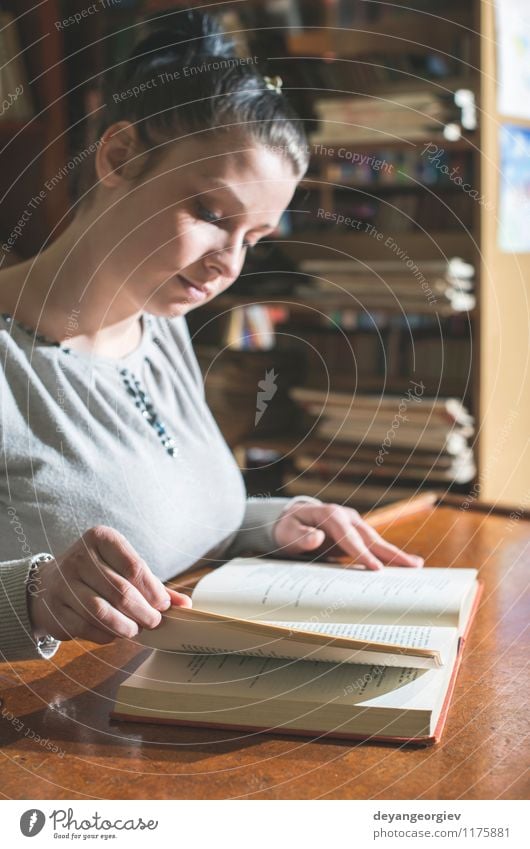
<point x="131" y="383"/>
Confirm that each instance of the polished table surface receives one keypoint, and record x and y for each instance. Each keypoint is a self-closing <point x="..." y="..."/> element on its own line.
<point x="57" y="741"/>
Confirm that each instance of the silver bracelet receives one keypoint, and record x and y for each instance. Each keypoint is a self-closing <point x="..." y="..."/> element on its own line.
<point x="43" y="557"/>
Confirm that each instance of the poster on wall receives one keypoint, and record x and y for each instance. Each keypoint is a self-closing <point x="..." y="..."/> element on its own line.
<point x="514" y="189"/>
<point x="513" y="57"/>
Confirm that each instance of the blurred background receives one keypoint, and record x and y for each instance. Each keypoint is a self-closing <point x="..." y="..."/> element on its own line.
<point x="377" y="344"/>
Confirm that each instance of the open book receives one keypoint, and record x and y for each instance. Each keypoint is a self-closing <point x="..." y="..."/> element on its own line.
<point x="307" y="648"/>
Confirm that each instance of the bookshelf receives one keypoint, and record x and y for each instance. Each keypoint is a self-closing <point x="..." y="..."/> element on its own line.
<point x="324" y="53"/>
<point x="334" y="60"/>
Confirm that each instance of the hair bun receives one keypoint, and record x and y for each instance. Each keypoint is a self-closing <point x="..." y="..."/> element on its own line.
<point x="181" y="37"/>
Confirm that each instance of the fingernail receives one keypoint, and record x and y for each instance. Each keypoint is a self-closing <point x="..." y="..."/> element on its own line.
<point x="166" y="604"/>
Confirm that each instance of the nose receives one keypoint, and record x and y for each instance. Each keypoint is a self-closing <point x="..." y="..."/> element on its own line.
<point x="225" y="263"/>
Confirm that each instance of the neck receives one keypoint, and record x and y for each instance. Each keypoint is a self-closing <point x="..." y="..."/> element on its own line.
<point x="64" y="295"/>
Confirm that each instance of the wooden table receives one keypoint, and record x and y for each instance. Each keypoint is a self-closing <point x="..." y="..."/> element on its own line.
<point x="82" y="754"/>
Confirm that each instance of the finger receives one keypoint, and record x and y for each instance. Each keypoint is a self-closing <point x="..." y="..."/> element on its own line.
<point x="306" y="512"/>
<point x="344" y="534"/>
<point x="119" y="554"/>
<point x="301" y="535"/>
<point x="293" y="537"/>
<point x="98" y="612"/>
<point x="354" y="545"/>
<point x="390" y="554"/>
<point x="312" y="537"/>
<point x="179" y="599"/>
<point x="73" y="625"/>
<point x="122" y="595"/>
<point x="335" y="521"/>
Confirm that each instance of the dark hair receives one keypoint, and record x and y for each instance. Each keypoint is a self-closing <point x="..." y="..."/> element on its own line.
<point x="186" y="78"/>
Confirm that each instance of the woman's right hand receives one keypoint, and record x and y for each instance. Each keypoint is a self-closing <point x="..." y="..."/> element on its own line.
<point x="98" y="590"/>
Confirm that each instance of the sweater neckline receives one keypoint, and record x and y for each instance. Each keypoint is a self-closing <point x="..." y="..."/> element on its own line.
<point x="39" y="340"/>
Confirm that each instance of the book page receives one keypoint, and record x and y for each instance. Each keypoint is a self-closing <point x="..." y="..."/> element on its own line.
<point x="426" y="637"/>
<point x="279" y="590"/>
<point x="254" y="680"/>
<point x="192" y="631"/>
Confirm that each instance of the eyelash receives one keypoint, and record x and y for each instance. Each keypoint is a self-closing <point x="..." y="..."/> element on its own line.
<point x="207" y="215"/>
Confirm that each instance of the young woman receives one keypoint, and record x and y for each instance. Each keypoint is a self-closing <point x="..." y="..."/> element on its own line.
<point x="116" y="475"/>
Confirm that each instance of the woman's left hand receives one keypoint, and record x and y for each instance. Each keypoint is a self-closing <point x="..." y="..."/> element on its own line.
<point x="304" y="526"/>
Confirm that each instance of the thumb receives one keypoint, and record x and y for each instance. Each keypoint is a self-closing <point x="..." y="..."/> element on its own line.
<point x="179" y="599"/>
<point x="310" y="538"/>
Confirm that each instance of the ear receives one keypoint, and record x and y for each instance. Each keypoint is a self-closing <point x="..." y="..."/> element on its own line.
<point x="118" y="146"/>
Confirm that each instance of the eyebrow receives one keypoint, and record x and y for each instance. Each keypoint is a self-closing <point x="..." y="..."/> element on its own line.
<point x="227" y="187"/>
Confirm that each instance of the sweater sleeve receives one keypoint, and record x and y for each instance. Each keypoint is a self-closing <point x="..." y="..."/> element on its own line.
<point x="255" y="535"/>
<point x="16" y="638"/>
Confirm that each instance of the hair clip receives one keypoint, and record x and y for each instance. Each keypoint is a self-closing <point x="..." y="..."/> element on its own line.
<point x="274" y="83"/>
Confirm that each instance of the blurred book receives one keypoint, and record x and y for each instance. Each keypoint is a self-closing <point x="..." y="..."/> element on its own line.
<point x="410" y="115"/>
<point x="411" y="286"/>
<point x="251" y="328"/>
<point x="367" y="449"/>
<point x="408" y="422"/>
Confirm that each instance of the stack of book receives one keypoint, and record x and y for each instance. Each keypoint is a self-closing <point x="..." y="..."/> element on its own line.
<point x="408" y="115"/>
<point x="366" y="449"/>
<point x="395" y="284"/>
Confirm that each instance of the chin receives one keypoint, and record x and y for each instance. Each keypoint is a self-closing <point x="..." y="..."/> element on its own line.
<point x="168" y="310"/>
<point x="182" y="307"/>
<point x="172" y="308"/>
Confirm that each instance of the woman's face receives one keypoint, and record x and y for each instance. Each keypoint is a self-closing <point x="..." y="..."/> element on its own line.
<point x="179" y="238"/>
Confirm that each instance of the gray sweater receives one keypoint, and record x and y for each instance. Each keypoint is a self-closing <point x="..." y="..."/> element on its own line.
<point x="77" y="452"/>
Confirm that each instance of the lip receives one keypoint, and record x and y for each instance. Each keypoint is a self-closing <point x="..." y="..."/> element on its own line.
<point x="194" y="290"/>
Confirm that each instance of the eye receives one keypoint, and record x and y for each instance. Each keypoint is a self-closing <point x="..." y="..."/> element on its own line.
<point x="206" y="214"/>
